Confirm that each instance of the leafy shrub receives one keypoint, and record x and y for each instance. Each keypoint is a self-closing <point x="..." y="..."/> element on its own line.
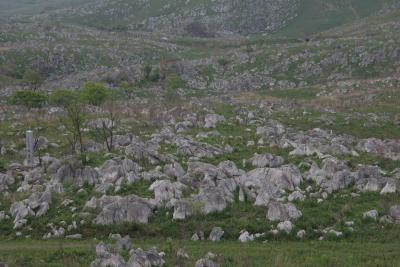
<point x="29" y="99"/>
<point x="94" y="93"/>
<point x="155" y="77"/>
<point x="33" y="78"/>
<point x="147" y="71"/>
<point x="62" y="98"/>
<point x="172" y="83"/>
<point x="223" y="62"/>
<point x="198" y="29"/>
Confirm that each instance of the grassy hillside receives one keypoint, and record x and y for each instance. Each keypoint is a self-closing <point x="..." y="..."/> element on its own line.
<point x="30" y="7"/>
<point x="315" y="16"/>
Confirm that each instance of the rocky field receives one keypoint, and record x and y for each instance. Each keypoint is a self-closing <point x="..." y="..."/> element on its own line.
<point x="200" y="133"/>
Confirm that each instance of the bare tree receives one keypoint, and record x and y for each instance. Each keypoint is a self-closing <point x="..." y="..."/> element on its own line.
<point x="74" y="122"/>
<point x="109" y="124"/>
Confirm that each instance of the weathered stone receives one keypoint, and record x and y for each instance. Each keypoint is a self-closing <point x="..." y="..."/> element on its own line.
<point x="266" y="160"/>
<point x="296" y="196"/>
<point x="372" y="214"/>
<point x="301" y="234"/>
<point x="165" y="190"/>
<point x="116" y="209"/>
<point x="146" y="258"/>
<point x="245" y="237"/>
<point x="124" y="243"/>
<point x="395" y="212"/>
<point x="207" y="261"/>
<point x="285" y="226"/>
<point x="282" y="212"/>
<point x="211" y="120"/>
<point x="174" y="170"/>
<point x="216" y="234"/>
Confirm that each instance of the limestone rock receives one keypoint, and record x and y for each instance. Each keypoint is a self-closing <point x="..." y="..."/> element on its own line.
<point x="216" y="234"/>
<point x="282" y="212"/>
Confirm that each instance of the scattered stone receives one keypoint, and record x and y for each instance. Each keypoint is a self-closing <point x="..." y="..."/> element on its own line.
<point x="282" y="212"/>
<point x="211" y="120"/>
<point x="245" y="237"/>
<point x="395" y="212"/>
<point x="296" y="196"/>
<point x="181" y="253"/>
<point x="124" y="243"/>
<point x="372" y="214"/>
<point x="301" y="234"/>
<point x="266" y="160"/>
<point x="216" y="234"/>
<point x="117" y="209"/>
<point x="285" y="226"/>
<point x="207" y="261"/>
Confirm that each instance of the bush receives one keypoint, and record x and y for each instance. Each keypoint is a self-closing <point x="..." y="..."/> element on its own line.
<point x="62" y="98"/>
<point x="223" y="62"/>
<point x="29" y="99"/>
<point x="33" y="78"/>
<point x="198" y="29"/>
<point x="155" y="77"/>
<point x="94" y="93"/>
<point x="147" y="71"/>
<point x="172" y="83"/>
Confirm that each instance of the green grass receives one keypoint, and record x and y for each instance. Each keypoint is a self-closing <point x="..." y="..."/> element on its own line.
<point x="139" y="188"/>
<point x="319" y="15"/>
<point x="232" y="253"/>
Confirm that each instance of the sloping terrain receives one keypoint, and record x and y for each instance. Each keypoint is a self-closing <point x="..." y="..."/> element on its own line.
<point x="194" y="17"/>
<point x="265" y="135"/>
<point x="32" y="7"/>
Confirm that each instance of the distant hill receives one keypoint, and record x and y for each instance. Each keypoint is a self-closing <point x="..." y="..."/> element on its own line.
<point x="293" y="18"/>
<point x="32" y="7"/>
<point x="204" y="18"/>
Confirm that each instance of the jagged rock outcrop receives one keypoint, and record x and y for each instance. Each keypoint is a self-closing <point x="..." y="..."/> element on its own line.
<point x="282" y="212"/>
<point x="117" y="209"/>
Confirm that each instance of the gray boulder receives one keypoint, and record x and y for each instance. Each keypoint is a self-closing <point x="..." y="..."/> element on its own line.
<point x="117" y="209"/>
<point x="296" y="196"/>
<point x="165" y="190"/>
<point x="211" y="120"/>
<point x="146" y="151"/>
<point x="395" y="212"/>
<point x="282" y="212"/>
<point x="371" y="214"/>
<point x="266" y="160"/>
<point x="124" y="243"/>
<point x="285" y="226"/>
<point x="104" y="258"/>
<point x="5" y="181"/>
<point x="264" y="184"/>
<point x="207" y="261"/>
<point x="33" y="175"/>
<point x="216" y="234"/>
<point x="174" y="170"/>
<point x="189" y="147"/>
<point x="272" y="129"/>
<point x="390" y="187"/>
<point x="146" y="258"/>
